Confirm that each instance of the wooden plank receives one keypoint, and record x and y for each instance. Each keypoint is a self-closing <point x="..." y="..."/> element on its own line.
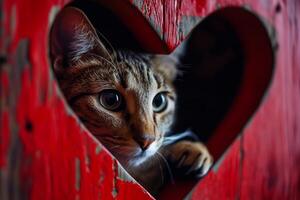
<point x="45" y="152"/>
<point x="269" y="151"/>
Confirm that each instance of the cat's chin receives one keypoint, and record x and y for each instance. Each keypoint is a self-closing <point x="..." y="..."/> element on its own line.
<point x="134" y="155"/>
<point x="143" y="155"/>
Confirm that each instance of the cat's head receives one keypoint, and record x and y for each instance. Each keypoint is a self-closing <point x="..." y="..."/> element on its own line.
<point x="125" y="99"/>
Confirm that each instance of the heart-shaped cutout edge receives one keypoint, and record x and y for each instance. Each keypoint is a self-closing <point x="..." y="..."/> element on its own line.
<point x="256" y="79"/>
<point x="239" y="113"/>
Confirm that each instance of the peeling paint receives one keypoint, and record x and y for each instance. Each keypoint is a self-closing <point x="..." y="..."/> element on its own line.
<point x="51" y="173"/>
<point x="21" y="63"/>
<point x="88" y="161"/>
<point x="13" y="19"/>
<point x="77" y="174"/>
<point x="13" y="186"/>
<point x="138" y="4"/>
<point x="114" y="191"/>
<point x="10" y="182"/>
<point x="159" y="31"/>
<point x="271" y="31"/>
<point x="53" y="12"/>
<point x="22" y="56"/>
<point x="98" y="149"/>
<point x="123" y="175"/>
<point x="1" y="25"/>
<point x="45" y="144"/>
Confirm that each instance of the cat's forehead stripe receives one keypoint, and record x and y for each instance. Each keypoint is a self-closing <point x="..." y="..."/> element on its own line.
<point x="158" y="81"/>
<point x="141" y="74"/>
<point x="140" y="67"/>
<point x="135" y="72"/>
<point x="123" y="78"/>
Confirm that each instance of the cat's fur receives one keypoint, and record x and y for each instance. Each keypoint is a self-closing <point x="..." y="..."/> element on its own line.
<point x="134" y="134"/>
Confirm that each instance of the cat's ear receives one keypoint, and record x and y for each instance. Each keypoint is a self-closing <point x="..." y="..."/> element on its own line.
<point x="73" y="36"/>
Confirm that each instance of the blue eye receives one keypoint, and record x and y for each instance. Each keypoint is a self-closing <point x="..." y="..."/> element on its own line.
<point x="110" y="100"/>
<point x="159" y="102"/>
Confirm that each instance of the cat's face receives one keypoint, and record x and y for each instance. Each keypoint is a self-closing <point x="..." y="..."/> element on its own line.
<point x="125" y="99"/>
<point x="128" y="105"/>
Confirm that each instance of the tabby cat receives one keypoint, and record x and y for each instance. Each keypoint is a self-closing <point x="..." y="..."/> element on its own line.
<point x="126" y="100"/>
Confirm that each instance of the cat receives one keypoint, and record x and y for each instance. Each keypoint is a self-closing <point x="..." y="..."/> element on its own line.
<point x="126" y="100"/>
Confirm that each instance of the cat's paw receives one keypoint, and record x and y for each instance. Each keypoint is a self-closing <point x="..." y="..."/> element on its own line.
<point x="190" y="158"/>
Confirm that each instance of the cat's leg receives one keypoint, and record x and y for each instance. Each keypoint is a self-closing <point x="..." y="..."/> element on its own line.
<point x="184" y="156"/>
<point x="188" y="157"/>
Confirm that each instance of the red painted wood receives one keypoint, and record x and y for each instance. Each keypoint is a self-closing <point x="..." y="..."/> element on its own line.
<point x="45" y="151"/>
<point x="265" y="164"/>
<point x="46" y="154"/>
<point x="269" y="150"/>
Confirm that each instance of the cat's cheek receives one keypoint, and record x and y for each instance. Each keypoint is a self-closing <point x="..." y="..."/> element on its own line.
<point x="166" y="122"/>
<point x="111" y="120"/>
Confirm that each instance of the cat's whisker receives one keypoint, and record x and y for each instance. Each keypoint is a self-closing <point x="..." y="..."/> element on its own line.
<point x="114" y="147"/>
<point x="110" y="45"/>
<point x="161" y="169"/>
<point x="139" y="101"/>
<point x="102" y="58"/>
<point x="106" y="141"/>
<point x="168" y="167"/>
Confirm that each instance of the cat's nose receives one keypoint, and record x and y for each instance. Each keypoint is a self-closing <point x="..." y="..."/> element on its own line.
<point x="144" y="142"/>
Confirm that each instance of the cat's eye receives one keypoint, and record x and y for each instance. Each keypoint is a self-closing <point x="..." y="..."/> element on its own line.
<point x="159" y="102"/>
<point x="111" y="100"/>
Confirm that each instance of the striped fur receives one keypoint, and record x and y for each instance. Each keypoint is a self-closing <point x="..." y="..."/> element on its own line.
<point x="84" y="68"/>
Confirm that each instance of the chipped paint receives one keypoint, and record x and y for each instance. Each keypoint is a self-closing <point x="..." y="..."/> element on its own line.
<point x="44" y="146"/>
<point x="54" y="10"/>
<point x="22" y="56"/>
<point x="98" y="150"/>
<point x="37" y="161"/>
<point x="138" y="4"/>
<point x="123" y="175"/>
<point x="1" y="22"/>
<point x="114" y="191"/>
<point x="158" y="29"/>
<point x="13" y="19"/>
<point x="77" y="174"/>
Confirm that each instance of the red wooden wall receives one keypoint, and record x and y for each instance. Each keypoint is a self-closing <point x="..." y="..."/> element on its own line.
<point x="45" y="153"/>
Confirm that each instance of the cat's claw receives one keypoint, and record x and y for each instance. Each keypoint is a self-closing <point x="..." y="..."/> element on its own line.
<point x="190" y="158"/>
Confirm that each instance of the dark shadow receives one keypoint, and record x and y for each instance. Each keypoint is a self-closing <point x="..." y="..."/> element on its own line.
<point x="218" y="64"/>
<point x="212" y="69"/>
<point x="109" y="26"/>
<point x="212" y="66"/>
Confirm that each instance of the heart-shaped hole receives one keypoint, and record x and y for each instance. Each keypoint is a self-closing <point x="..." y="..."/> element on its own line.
<point x="229" y="58"/>
<point x="223" y="78"/>
<point x="227" y="84"/>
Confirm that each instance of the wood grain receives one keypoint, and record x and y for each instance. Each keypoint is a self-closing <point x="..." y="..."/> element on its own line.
<point x="45" y="153"/>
